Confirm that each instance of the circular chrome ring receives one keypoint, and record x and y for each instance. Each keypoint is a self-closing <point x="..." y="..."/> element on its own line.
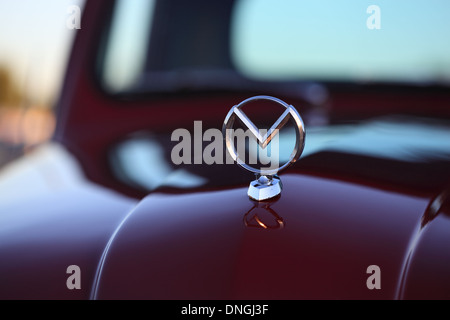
<point x="299" y="128"/>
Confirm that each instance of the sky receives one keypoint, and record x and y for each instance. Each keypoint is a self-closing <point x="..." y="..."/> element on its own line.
<point x="34" y="43"/>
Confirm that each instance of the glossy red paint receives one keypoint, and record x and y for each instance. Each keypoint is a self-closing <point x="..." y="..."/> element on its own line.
<point x="51" y="218"/>
<point x="197" y="246"/>
<point x="428" y="261"/>
<point x="218" y="244"/>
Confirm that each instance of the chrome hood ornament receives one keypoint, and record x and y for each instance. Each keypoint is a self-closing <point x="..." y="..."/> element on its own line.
<point x="267" y="184"/>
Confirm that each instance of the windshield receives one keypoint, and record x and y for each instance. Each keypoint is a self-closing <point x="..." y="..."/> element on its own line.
<point x="397" y="40"/>
<point x="156" y="43"/>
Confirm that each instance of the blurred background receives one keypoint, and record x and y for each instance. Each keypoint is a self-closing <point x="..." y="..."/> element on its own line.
<point x="34" y="46"/>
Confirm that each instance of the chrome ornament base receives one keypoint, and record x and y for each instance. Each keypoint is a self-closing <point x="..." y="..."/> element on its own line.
<point x="267" y="185"/>
<point x="265" y="188"/>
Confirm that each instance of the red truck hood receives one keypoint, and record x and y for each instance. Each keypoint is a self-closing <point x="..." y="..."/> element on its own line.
<point x="316" y="241"/>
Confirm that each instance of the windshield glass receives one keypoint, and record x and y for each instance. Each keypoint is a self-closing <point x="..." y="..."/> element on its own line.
<point x="397" y="40"/>
<point x="156" y="43"/>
